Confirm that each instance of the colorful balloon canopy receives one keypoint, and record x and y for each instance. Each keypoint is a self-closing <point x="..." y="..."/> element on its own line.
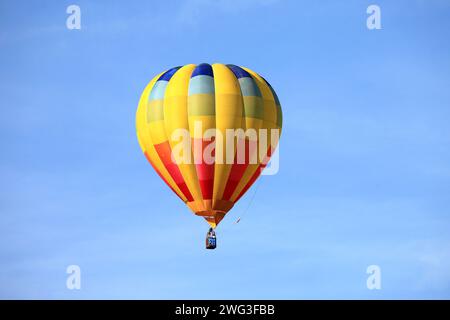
<point x="218" y="97"/>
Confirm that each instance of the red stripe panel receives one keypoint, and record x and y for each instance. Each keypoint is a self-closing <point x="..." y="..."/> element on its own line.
<point x="164" y="152"/>
<point x="238" y="169"/>
<point x="160" y="175"/>
<point x="256" y="174"/>
<point x="205" y="171"/>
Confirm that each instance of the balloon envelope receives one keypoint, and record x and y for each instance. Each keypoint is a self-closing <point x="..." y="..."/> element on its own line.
<point x="195" y="105"/>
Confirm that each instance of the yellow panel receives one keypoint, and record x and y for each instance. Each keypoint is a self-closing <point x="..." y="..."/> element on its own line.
<point x="157" y="131"/>
<point x="229" y="112"/>
<point x="208" y="122"/>
<point x="144" y="138"/>
<point x="270" y="111"/>
<point x="141" y="113"/>
<point x="268" y="123"/>
<point x="176" y="117"/>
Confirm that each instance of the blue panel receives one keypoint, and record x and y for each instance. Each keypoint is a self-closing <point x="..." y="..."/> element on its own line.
<point x="158" y="90"/>
<point x="249" y="87"/>
<point x="168" y="74"/>
<point x="201" y="84"/>
<point x="238" y="71"/>
<point x="203" y="69"/>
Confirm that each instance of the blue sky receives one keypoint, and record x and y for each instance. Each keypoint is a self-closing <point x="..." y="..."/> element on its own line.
<point x="364" y="156"/>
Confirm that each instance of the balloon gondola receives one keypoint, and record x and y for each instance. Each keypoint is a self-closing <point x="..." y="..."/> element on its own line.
<point x="211" y="240"/>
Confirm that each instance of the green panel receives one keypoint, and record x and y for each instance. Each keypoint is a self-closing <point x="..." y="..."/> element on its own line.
<point x="201" y="105"/>
<point x="155" y="110"/>
<point x="253" y="107"/>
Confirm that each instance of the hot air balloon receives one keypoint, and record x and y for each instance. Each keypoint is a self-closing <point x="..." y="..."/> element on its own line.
<point x="201" y="104"/>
